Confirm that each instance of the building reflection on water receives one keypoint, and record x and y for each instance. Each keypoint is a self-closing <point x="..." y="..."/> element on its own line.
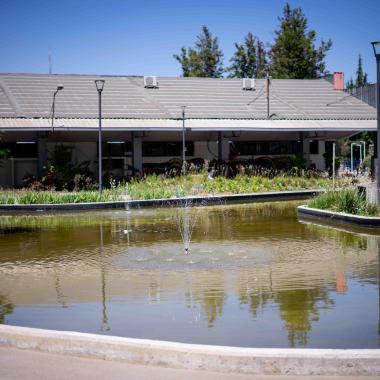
<point x="270" y="267"/>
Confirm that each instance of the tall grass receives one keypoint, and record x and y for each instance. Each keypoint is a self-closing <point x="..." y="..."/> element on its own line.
<point x="156" y="186"/>
<point x="52" y="197"/>
<point x="348" y="200"/>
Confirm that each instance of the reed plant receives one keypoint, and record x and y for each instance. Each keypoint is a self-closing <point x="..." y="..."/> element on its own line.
<point x="161" y="186"/>
<point x="348" y="200"/>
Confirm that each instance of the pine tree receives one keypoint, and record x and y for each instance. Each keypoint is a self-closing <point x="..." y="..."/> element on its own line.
<point x="249" y="59"/>
<point x="359" y="73"/>
<point x="294" y="54"/>
<point x="361" y="77"/>
<point x="204" y="60"/>
<point x="350" y="84"/>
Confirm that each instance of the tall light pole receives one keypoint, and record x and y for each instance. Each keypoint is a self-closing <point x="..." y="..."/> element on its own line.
<point x="183" y="141"/>
<point x="59" y="88"/>
<point x="376" y="50"/>
<point x="99" y="83"/>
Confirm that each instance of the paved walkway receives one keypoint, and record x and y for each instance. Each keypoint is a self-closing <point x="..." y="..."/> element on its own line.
<point x="33" y="365"/>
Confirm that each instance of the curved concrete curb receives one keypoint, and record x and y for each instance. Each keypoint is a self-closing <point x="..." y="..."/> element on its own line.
<point x="191" y="356"/>
<point x="363" y="221"/>
<point x="209" y="200"/>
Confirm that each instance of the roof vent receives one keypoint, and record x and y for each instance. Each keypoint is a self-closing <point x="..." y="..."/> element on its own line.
<point x="150" y="82"/>
<point x="249" y="84"/>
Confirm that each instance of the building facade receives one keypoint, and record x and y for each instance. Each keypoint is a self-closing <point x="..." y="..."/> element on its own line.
<point x="143" y="123"/>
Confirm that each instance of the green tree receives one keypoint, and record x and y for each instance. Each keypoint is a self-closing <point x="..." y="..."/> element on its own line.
<point x="204" y="60"/>
<point x="294" y="54"/>
<point x="350" y="84"/>
<point x="361" y="77"/>
<point x="249" y="59"/>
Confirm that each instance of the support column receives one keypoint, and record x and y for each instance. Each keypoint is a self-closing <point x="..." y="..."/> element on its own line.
<point x="223" y="147"/>
<point x="306" y="151"/>
<point x="42" y="152"/>
<point x="301" y="140"/>
<point x="322" y="150"/>
<point x="136" y="154"/>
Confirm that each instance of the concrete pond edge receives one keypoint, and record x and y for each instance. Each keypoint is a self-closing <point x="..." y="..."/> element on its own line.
<point x="270" y="361"/>
<point x="358" y="220"/>
<point x="208" y="200"/>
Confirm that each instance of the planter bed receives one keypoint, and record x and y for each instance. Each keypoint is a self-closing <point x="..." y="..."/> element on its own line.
<point x="358" y="220"/>
<point x="211" y="200"/>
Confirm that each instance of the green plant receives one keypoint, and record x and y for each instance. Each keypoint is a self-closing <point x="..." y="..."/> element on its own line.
<point x="348" y="200"/>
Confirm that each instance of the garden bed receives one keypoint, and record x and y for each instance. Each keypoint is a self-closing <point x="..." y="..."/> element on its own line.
<point x="348" y="205"/>
<point x="161" y="187"/>
<point x="201" y="200"/>
<point x="341" y="217"/>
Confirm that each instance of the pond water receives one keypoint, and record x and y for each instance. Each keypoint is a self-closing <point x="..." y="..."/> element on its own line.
<point x="255" y="277"/>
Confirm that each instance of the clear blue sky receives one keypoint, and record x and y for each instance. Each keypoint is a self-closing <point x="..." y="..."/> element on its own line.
<point x="140" y="37"/>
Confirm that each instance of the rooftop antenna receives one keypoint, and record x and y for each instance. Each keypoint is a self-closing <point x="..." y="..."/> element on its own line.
<point x="50" y="70"/>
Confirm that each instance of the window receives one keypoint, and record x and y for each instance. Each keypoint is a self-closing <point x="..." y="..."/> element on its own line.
<point x="245" y="148"/>
<point x="166" y="149"/>
<point x="116" y="149"/>
<point x="314" y="147"/>
<point x="329" y="147"/>
<point x="20" y="150"/>
<point x="251" y="148"/>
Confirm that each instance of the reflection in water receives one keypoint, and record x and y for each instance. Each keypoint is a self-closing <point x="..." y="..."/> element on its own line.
<point x="104" y="325"/>
<point x="6" y="307"/>
<point x="61" y="299"/>
<point x="255" y="277"/>
<point x="298" y="309"/>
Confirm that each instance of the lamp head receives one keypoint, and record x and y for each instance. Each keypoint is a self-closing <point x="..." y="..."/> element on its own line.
<point x="376" y="48"/>
<point x="99" y="83"/>
<point x="60" y="87"/>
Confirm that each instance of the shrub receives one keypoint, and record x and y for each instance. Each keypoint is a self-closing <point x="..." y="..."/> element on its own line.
<point x="348" y="200"/>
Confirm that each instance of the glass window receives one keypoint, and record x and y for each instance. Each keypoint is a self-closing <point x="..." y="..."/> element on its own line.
<point x="166" y="149"/>
<point x="20" y="150"/>
<point x="314" y="149"/>
<point x="116" y="149"/>
<point x="249" y="148"/>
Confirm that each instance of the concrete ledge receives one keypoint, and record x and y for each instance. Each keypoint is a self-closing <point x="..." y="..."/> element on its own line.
<point x="190" y="356"/>
<point x="208" y="200"/>
<point x="314" y="213"/>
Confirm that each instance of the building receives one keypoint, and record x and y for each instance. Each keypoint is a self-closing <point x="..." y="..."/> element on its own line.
<point x="142" y="120"/>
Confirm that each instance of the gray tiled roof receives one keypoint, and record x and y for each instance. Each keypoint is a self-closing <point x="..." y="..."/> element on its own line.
<point x="30" y="96"/>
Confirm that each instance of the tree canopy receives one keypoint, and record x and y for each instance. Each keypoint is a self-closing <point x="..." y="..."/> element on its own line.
<point x="204" y="60"/>
<point x="361" y="77"/>
<point x="294" y="54"/>
<point x="249" y="59"/>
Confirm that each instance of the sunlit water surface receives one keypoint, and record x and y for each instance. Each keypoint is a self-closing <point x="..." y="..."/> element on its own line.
<point x="255" y="277"/>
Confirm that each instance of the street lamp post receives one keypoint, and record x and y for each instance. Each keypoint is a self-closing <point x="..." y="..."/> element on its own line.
<point x="99" y="83"/>
<point x="376" y="50"/>
<point x="183" y="141"/>
<point x="59" y="88"/>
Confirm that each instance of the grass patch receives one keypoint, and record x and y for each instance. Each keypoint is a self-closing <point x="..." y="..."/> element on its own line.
<point x="348" y="200"/>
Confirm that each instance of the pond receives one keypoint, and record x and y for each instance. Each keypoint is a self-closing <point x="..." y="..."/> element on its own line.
<point x="255" y="276"/>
